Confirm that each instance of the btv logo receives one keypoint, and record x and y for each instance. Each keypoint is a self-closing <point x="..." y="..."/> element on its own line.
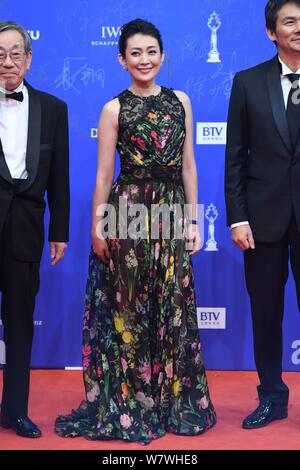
<point x="211" y="318"/>
<point x="211" y="133"/>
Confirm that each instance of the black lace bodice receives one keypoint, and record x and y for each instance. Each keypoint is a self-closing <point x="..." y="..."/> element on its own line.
<point x="151" y="130"/>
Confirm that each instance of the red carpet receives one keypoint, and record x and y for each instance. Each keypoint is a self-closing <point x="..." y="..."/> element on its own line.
<point x="55" y="392"/>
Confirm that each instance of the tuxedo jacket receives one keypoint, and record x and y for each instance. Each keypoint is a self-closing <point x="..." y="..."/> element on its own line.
<point x="47" y="164"/>
<point x="262" y="170"/>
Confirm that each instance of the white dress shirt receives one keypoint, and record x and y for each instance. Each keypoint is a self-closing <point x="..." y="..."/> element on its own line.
<point x="286" y="86"/>
<point x="13" y="131"/>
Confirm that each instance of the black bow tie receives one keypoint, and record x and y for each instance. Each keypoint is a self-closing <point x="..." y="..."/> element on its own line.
<point x="293" y="77"/>
<point x="18" y="96"/>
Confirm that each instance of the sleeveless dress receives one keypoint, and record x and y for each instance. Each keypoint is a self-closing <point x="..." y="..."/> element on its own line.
<point x="142" y="363"/>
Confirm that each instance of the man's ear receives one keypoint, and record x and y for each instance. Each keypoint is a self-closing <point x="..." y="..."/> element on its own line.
<point x="271" y="35"/>
<point x="28" y="60"/>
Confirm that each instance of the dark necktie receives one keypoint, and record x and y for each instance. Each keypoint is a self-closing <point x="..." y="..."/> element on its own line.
<point x="18" y="96"/>
<point x="293" y="108"/>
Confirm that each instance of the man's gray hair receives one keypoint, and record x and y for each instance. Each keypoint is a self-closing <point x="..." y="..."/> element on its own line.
<point x="11" y="25"/>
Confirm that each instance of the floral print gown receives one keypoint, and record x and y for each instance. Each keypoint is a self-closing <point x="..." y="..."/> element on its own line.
<point x="142" y="363"/>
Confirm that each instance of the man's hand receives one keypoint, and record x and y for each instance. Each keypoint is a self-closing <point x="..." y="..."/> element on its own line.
<point x="57" y="251"/>
<point x="242" y="237"/>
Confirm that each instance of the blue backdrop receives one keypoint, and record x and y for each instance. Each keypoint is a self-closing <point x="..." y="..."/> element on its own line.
<point x="75" y="58"/>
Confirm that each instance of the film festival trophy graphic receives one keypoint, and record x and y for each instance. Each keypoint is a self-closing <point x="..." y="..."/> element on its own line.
<point x="214" y="24"/>
<point x="211" y="214"/>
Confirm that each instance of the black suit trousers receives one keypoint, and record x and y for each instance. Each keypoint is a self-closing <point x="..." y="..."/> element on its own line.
<point x="19" y="283"/>
<point x="266" y="272"/>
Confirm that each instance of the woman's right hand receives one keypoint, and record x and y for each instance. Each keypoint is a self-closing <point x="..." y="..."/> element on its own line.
<point x="101" y="249"/>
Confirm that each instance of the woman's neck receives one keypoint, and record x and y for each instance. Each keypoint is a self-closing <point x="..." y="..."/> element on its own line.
<point x="144" y="89"/>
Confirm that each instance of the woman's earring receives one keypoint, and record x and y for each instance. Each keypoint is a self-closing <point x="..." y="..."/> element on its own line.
<point x="125" y="68"/>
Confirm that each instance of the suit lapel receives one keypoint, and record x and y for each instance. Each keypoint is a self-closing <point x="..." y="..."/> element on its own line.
<point x="277" y="102"/>
<point x="297" y="148"/>
<point x="33" y="138"/>
<point x="4" y="171"/>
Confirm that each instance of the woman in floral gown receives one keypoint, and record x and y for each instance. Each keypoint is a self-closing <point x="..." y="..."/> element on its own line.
<point x="142" y="363"/>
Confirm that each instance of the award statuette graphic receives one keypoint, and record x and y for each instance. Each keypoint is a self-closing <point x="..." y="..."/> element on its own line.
<point x="211" y="214"/>
<point x="214" y="24"/>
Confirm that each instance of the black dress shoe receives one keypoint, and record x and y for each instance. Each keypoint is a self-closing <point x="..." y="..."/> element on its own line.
<point x="264" y="414"/>
<point x="22" y="426"/>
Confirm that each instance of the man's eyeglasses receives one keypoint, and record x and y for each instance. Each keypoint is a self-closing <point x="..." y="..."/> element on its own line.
<point x="16" y="57"/>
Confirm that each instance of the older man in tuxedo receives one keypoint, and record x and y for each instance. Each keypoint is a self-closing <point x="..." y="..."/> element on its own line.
<point x="33" y="160"/>
<point x="263" y="195"/>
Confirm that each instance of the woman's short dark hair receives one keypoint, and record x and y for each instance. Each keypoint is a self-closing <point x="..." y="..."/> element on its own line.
<point x="271" y="12"/>
<point x="138" y="26"/>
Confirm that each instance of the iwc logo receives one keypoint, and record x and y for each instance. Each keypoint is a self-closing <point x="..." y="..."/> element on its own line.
<point x="109" y="36"/>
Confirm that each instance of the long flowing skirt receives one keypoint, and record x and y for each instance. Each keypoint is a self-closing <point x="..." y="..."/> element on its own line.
<point x="142" y="362"/>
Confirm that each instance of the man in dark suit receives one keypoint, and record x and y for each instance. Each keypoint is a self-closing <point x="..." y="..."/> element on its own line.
<point x="262" y="185"/>
<point x="33" y="159"/>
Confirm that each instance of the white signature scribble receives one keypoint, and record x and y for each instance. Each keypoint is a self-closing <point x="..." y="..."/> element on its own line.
<point x="69" y="78"/>
<point x="224" y="86"/>
<point x="192" y="48"/>
<point x="194" y="87"/>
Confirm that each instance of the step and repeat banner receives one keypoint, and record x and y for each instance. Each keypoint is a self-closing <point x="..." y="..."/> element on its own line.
<point x="75" y="57"/>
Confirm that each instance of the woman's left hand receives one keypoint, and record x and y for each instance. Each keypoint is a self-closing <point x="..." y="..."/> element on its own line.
<point x="193" y="239"/>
